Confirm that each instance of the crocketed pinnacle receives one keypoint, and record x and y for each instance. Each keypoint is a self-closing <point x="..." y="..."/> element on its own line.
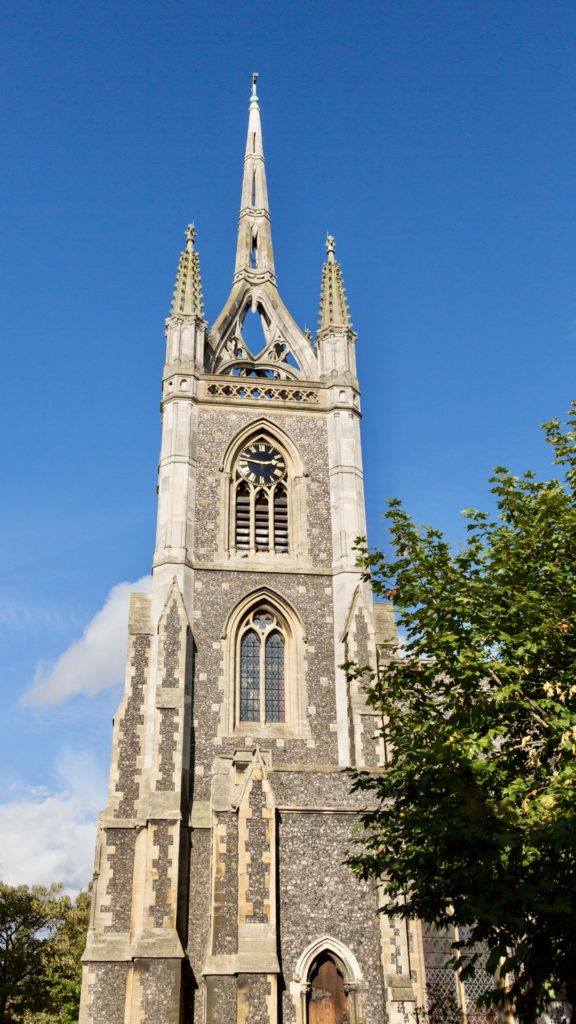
<point x="187" y="299"/>
<point x="333" y="304"/>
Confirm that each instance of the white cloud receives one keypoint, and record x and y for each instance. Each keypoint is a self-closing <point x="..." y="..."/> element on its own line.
<point x="95" y="661"/>
<point x="49" y="836"/>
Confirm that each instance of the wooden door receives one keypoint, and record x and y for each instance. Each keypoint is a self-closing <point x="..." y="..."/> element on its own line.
<point x="328" y="1002"/>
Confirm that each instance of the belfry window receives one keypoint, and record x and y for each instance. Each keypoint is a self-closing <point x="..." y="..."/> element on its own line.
<point x="262" y="669"/>
<point x="260" y="499"/>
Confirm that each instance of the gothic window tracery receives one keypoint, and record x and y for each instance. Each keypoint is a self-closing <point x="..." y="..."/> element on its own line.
<point x="260" y="498"/>
<point x="262" y="644"/>
<point x="264" y="669"/>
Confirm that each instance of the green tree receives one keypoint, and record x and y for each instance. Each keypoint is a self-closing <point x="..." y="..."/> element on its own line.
<point x="474" y="818"/>
<point x="42" y="936"/>
<point x="64" y="972"/>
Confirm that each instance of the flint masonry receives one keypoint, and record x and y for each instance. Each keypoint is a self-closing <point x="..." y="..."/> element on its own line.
<point x="220" y="893"/>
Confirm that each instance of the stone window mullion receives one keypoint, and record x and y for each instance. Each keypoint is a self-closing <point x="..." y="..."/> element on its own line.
<point x="262" y="679"/>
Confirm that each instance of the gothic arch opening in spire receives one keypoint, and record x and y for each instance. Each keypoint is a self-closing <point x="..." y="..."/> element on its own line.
<point x="255" y="276"/>
<point x="254" y="346"/>
<point x="255" y="329"/>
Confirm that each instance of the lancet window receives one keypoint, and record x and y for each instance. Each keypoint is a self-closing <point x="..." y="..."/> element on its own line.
<point x="260" y="498"/>
<point x="261" y="655"/>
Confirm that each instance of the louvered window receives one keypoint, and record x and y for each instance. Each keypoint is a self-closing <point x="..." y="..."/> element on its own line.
<point x="243" y="517"/>
<point x="262" y="669"/>
<point x="262" y="521"/>
<point x="260" y="516"/>
<point x="280" y="518"/>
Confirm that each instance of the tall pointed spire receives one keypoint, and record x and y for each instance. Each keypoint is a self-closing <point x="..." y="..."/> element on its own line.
<point x="254" y="288"/>
<point x="187" y="299"/>
<point x="254" y="254"/>
<point x="333" y="303"/>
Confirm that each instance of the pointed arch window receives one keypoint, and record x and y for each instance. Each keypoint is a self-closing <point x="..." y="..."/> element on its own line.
<point x="262" y="655"/>
<point x="265" y="692"/>
<point x="260" y="498"/>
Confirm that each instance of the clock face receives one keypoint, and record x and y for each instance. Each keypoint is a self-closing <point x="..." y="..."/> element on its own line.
<point x="261" y="463"/>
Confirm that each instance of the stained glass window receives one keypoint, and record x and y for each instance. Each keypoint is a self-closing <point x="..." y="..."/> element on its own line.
<point x="274" y="677"/>
<point x="261" y="665"/>
<point x="250" y="677"/>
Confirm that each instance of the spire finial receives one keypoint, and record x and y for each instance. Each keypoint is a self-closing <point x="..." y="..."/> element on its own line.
<point x="190" y="237"/>
<point x="254" y="95"/>
<point x="254" y="255"/>
<point x="333" y="304"/>
<point x="187" y="299"/>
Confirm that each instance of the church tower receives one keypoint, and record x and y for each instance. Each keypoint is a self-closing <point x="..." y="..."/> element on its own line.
<point x="220" y="892"/>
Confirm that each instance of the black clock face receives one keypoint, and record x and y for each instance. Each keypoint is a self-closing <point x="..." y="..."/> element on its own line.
<point x="261" y="463"/>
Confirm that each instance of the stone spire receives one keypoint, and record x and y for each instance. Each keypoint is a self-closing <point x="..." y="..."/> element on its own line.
<point x="333" y="303"/>
<point x="187" y="299"/>
<point x="254" y="254"/>
<point x="254" y="288"/>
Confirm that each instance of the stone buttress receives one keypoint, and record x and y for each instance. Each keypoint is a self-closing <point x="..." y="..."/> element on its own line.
<point x="221" y="895"/>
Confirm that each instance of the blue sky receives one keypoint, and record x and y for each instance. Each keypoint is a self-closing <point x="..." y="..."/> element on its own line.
<point x="435" y="140"/>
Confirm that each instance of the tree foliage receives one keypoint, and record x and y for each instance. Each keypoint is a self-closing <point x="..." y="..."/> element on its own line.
<point x="42" y="937"/>
<point x="475" y="814"/>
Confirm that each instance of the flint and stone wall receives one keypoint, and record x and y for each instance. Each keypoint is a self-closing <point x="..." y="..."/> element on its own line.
<point x="221" y="852"/>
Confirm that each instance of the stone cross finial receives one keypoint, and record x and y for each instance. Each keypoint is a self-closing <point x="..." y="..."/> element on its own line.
<point x="330" y="246"/>
<point x="190" y="237"/>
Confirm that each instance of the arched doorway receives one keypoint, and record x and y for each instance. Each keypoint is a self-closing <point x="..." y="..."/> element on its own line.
<point x="327" y="997"/>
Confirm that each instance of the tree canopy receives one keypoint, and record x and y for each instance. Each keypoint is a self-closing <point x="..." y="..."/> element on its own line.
<point x="474" y="819"/>
<point x="42" y="937"/>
